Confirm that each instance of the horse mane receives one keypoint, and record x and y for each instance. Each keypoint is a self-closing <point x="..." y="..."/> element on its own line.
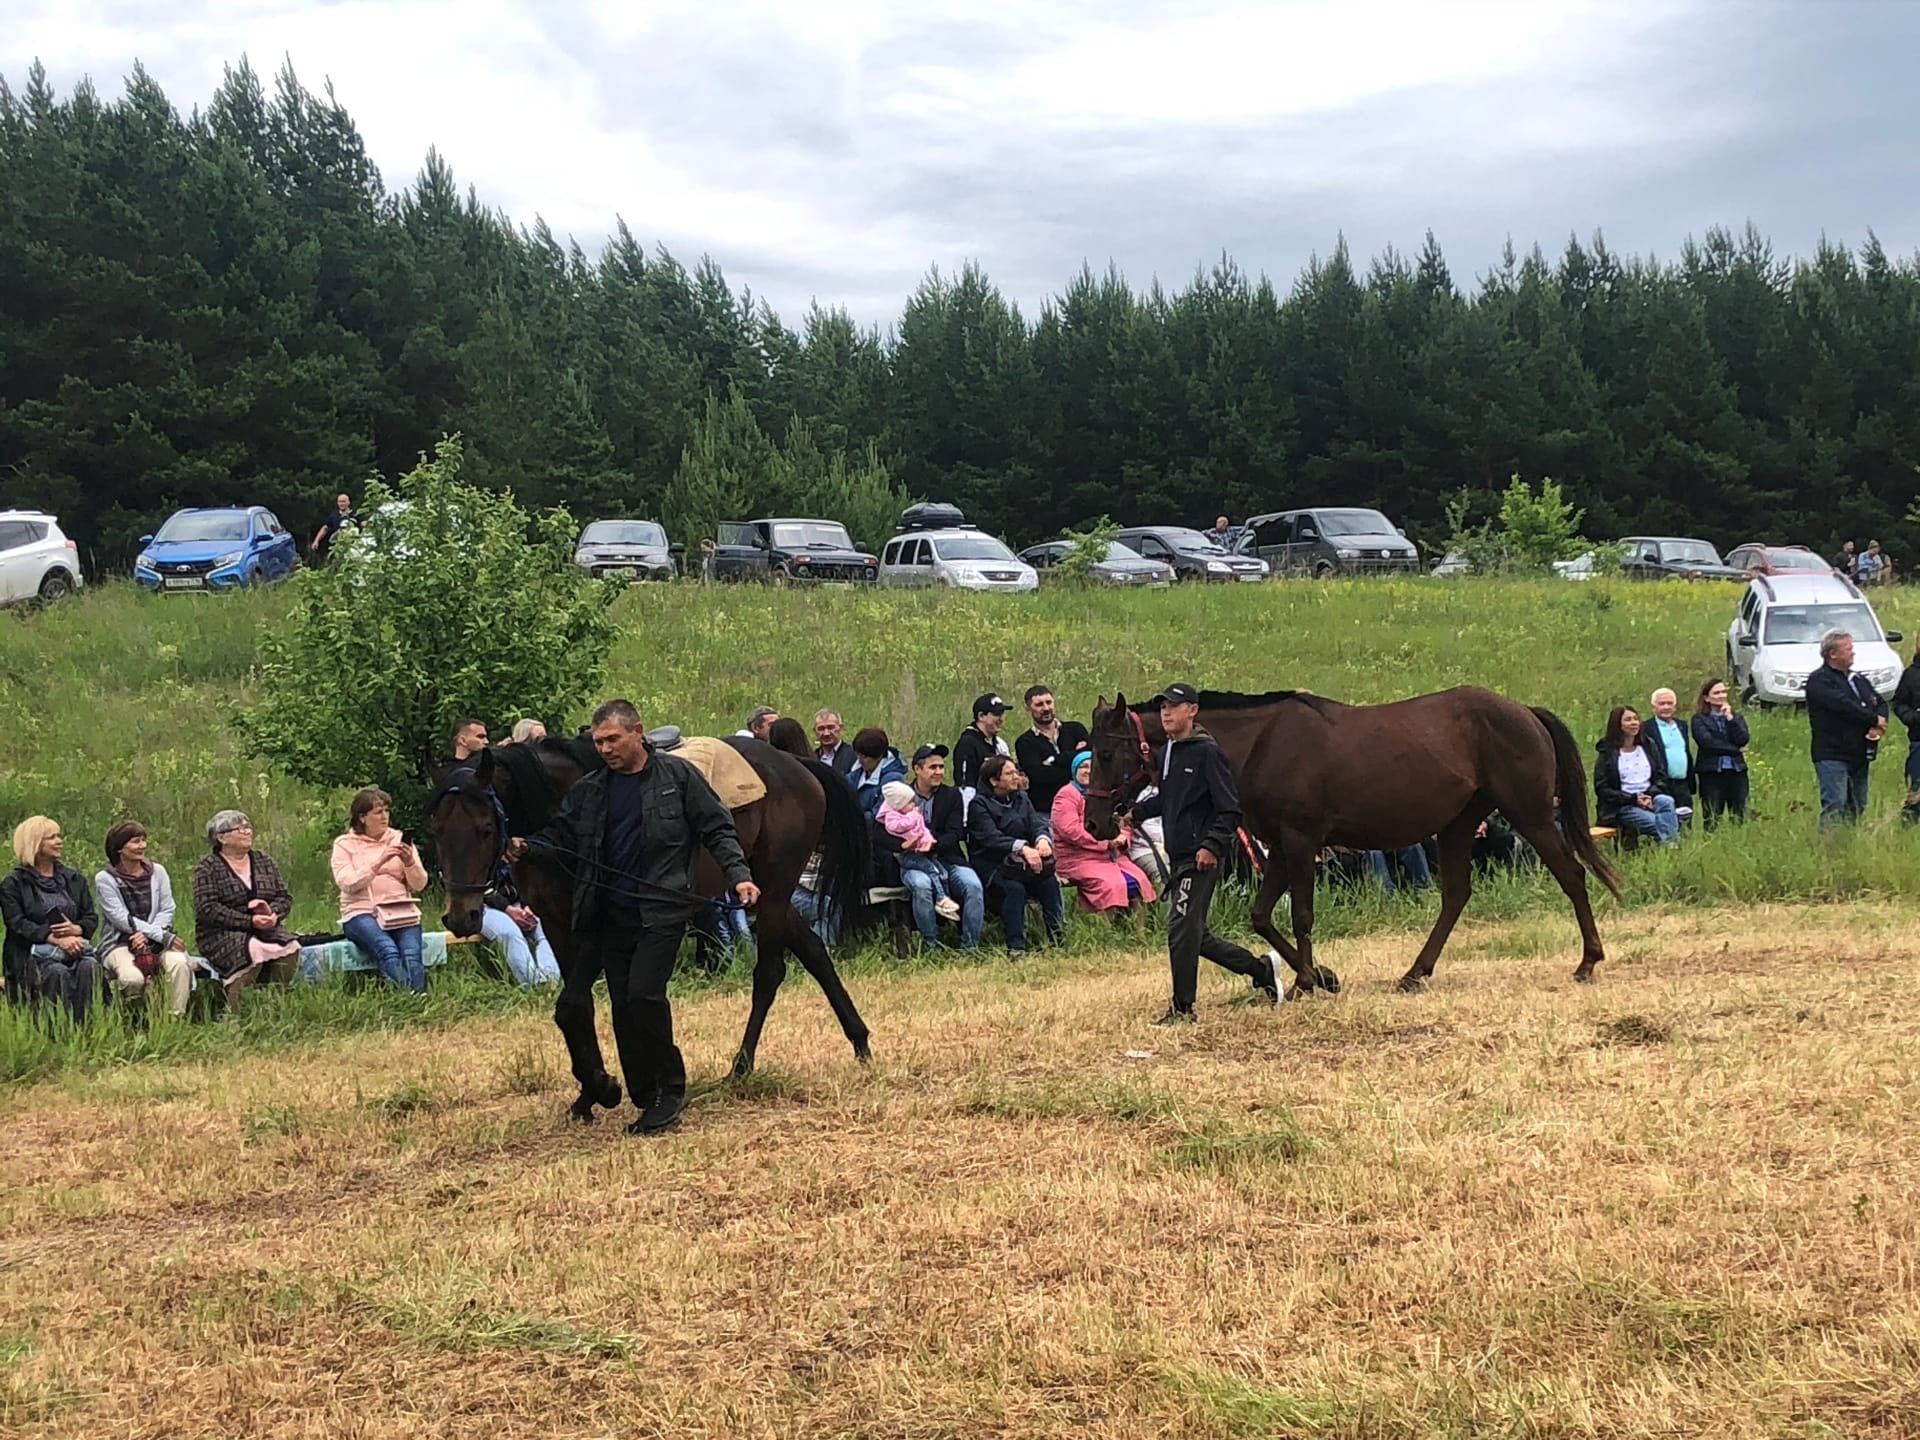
<point x="1237" y="700"/>
<point x="531" y="794"/>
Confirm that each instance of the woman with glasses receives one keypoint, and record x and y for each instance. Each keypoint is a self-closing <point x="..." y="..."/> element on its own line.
<point x="240" y="909"/>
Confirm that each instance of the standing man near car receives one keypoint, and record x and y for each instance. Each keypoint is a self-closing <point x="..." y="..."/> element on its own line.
<point x="1848" y="719"/>
<point x="628" y="833"/>
<point x="1222" y="528"/>
<point x="1200" y="807"/>
<point x="1047" y="749"/>
<point x="322" y="543"/>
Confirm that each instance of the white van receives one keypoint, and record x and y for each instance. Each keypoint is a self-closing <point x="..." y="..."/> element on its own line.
<point x="1773" y="643"/>
<point x="963" y="558"/>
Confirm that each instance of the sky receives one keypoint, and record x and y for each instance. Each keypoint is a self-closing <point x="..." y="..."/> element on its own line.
<point x="834" y="150"/>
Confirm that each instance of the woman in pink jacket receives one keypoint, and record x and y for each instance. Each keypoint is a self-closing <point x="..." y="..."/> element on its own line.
<point x="1106" y="878"/>
<point x="379" y="873"/>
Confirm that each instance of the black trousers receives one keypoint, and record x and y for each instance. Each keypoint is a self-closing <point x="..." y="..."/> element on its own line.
<point x="638" y="962"/>
<point x="1723" y="792"/>
<point x="1188" y="937"/>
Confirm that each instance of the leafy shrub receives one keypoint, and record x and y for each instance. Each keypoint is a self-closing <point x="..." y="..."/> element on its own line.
<point x="1089" y="548"/>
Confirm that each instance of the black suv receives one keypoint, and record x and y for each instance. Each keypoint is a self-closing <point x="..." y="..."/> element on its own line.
<point x="788" y="550"/>
<point x="1674" y="557"/>
<point x="1330" y="541"/>
<point x="1191" y="554"/>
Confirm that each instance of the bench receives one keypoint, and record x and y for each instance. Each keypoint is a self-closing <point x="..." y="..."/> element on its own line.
<point x="343" y="957"/>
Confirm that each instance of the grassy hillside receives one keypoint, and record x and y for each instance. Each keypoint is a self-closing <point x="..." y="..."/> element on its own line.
<point x="117" y="704"/>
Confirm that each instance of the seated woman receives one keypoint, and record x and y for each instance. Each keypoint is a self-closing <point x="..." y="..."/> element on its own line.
<point x="136" y="911"/>
<point x="49" y="919"/>
<point x="379" y="873"/>
<point x="1011" y="845"/>
<point x="1104" y="871"/>
<point x="240" y="910"/>
<point x="1627" y="776"/>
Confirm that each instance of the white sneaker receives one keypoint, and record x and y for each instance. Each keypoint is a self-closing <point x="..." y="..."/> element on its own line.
<point x="947" y="908"/>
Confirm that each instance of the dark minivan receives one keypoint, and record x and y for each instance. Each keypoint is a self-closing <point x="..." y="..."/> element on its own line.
<point x="1330" y="541"/>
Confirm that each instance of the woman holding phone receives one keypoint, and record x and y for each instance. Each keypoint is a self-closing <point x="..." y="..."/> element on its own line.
<point x="379" y="873"/>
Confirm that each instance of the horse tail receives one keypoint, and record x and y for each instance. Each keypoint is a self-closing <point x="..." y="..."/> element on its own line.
<point x="1570" y="783"/>
<point x="845" y="848"/>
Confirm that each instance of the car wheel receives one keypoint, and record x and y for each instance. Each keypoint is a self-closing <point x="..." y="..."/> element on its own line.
<point x="1323" y="571"/>
<point x="56" y="585"/>
<point x="781" y="575"/>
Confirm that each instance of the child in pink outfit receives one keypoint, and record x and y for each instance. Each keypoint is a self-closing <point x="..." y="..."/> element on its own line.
<point x="901" y="818"/>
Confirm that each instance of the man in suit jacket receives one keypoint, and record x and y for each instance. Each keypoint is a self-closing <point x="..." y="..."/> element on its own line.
<point x="831" y="748"/>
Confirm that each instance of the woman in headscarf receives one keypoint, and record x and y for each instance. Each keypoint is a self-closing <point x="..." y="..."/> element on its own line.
<point x="49" y="919"/>
<point x="240" y="909"/>
<point x="1100" y="869"/>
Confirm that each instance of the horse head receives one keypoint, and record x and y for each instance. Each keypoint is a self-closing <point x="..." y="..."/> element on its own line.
<point x="463" y="819"/>
<point x="1122" y="764"/>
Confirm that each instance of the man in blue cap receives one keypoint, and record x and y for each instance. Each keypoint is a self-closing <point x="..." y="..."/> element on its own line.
<point x="1199" y="806"/>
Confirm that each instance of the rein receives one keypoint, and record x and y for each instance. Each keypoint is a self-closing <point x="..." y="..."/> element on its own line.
<point x="1142" y="772"/>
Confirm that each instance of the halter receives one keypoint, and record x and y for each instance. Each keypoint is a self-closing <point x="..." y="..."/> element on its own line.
<point x="453" y="787"/>
<point x="1143" y="772"/>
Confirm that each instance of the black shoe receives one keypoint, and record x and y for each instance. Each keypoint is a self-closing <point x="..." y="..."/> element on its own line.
<point x="1269" y="985"/>
<point x="662" y="1115"/>
<point x="605" y="1093"/>
<point x="1176" y="1016"/>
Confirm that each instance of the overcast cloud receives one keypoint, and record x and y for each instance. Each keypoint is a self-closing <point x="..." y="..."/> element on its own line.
<point x="834" y="149"/>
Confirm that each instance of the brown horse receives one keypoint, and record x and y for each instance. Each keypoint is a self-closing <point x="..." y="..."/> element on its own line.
<point x="1314" y="772"/>
<point x="807" y="807"/>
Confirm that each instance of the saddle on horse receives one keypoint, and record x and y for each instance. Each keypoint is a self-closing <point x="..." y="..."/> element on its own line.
<point x="722" y="766"/>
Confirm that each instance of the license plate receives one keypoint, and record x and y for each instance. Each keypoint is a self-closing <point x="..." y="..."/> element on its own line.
<point x="623" y="572"/>
<point x="1247" y="576"/>
<point x="184" y="582"/>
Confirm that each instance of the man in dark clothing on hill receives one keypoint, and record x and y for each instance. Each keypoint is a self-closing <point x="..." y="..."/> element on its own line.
<point x="629" y="834"/>
<point x="1199" y="807"/>
<point x="339" y="519"/>
<point x="1906" y="708"/>
<point x="1848" y="717"/>
<point x="1046" y="751"/>
<point x="979" y="740"/>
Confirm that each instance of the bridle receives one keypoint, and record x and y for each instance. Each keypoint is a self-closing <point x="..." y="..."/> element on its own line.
<point x="446" y="792"/>
<point x="1143" y="769"/>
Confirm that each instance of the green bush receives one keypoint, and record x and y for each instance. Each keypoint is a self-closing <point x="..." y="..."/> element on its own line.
<point x="1089" y="547"/>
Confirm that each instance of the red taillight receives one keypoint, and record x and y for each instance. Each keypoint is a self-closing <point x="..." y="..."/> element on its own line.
<point x="72" y="546"/>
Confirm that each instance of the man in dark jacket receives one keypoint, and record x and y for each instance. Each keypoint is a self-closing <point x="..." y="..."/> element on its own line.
<point x="1199" y="806"/>
<point x="1012" y="848"/>
<point x="830" y="745"/>
<point x="1046" y="751"/>
<point x="1906" y="708"/>
<point x="941" y="807"/>
<point x="628" y="833"/>
<point x="1848" y="718"/>
<point x="979" y="740"/>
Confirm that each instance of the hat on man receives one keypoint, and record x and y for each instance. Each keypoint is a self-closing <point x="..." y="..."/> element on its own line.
<point x="1178" y="695"/>
<point x="927" y="752"/>
<point x="760" y="712"/>
<point x="989" y="705"/>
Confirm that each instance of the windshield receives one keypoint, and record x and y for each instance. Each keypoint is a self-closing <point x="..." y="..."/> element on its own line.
<point x="1797" y="560"/>
<point x="972" y="547"/>
<point x="1118" y="554"/>
<point x="1189" y="542"/>
<point x="1805" y="624"/>
<point x="1688" y="552"/>
<point x="814" y="535"/>
<point x="188" y="525"/>
<point x="623" y="532"/>
<point x="1354" y="522"/>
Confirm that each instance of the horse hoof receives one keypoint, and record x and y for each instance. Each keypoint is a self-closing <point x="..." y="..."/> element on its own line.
<point x="742" y="1065"/>
<point x="1411" y="984"/>
<point x="1583" y="976"/>
<point x="581" y="1110"/>
<point x="1326" y="980"/>
<point x="608" y="1096"/>
<point x="863" y="1052"/>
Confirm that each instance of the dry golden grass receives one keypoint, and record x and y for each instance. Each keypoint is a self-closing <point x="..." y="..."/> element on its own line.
<point x="1676" y="1203"/>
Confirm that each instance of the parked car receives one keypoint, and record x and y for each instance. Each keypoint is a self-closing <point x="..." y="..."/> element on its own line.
<point x="1673" y="557"/>
<point x="1190" y="555"/>
<point x="1754" y="558"/>
<point x="1332" y="541"/>
<point x="1121" y="566"/>
<point x="788" y="550"/>
<point x="216" y="549"/>
<point x="37" y="560"/>
<point x="1452" y="563"/>
<point x="1773" y="642"/>
<point x="963" y="558"/>
<point x="627" y="550"/>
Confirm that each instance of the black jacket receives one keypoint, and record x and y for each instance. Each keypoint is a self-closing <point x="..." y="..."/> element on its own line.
<point x="843" y="758"/>
<point x="1680" y="786"/>
<point x="1906" y="700"/>
<point x="1716" y="737"/>
<point x="945" y="821"/>
<point x="24" y="930"/>
<point x="1046" y="764"/>
<point x="1841" y="709"/>
<point x="679" y="813"/>
<point x="997" y="824"/>
<point x="1198" y="803"/>
<point x="970" y="752"/>
<point x="1609" y="797"/>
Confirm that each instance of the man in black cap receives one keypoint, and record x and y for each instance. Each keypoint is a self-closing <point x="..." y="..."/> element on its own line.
<point x="979" y="740"/>
<point x="1199" y="805"/>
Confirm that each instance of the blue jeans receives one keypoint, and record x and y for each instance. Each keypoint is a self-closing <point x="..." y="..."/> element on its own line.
<point x="1013" y="890"/>
<point x="1910" y="811"/>
<point x="1662" y="822"/>
<point x="967" y="891"/>
<point x="396" y="952"/>
<point x="1413" y="864"/>
<point x="529" y="964"/>
<point x="1843" y="791"/>
<point x="821" y="919"/>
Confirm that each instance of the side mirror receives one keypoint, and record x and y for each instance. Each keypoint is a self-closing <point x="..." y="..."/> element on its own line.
<point x="1894" y="637"/>
<point x="676" y="548"/>
<point x="1401" y="531"/>
<point x="1749" y="641"/>
<point x="146" y="539"/>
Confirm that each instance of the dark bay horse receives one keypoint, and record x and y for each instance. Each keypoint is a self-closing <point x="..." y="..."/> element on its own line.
<point x="807" y="807"/>
<point x="1314" y="772"/>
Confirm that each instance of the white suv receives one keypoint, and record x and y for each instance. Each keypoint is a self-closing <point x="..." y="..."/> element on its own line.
<point x="965" y="558"/>
<point x="1773" y="643"/>
<point x="37" y="561"/>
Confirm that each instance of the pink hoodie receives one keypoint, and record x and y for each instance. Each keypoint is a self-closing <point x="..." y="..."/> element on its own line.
<point x="363" y="887"/>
